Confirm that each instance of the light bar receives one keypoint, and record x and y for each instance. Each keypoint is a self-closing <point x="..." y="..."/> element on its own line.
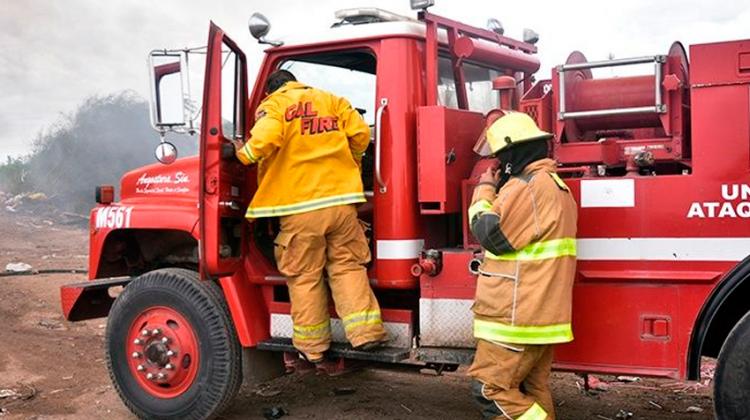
<point x="530" y="36"/>
<point x="356" y="14"/>
<point x="495" y="26"/>
<point x="421" y="4"/>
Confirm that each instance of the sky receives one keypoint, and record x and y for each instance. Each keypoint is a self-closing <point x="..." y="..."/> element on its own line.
<point x="54" y="53"/>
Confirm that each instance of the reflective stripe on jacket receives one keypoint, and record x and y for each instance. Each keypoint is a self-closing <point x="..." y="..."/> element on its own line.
<point x="524" y="291"/>
<point x="308" y="145"/>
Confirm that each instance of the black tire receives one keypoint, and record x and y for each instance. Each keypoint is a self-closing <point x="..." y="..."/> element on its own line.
<point x="201" y="303"/>
<point x="732" y="377"/>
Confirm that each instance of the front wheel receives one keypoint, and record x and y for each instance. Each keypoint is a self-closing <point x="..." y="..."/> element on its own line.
<point x="172" y="351"/>
<point x="732" y="377"/>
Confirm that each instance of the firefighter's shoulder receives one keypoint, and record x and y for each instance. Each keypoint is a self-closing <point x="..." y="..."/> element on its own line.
<point x="270" y="105"/>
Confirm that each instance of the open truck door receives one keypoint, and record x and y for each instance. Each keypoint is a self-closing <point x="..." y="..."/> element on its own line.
<point x="222" y="198"/>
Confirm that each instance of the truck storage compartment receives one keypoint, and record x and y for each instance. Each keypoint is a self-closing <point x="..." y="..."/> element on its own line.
<point x="445" y="138"/>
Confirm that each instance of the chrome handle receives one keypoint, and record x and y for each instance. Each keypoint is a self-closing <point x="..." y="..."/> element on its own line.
<point x="233" y="205"/>
<point x="378" y="127"/>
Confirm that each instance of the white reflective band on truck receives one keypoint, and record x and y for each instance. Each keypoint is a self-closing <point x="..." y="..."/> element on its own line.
<point x="663" y="249"/>
<point x="399" y="249"/>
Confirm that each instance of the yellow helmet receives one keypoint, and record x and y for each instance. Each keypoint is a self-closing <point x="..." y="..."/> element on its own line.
<point x="513" y="128"/>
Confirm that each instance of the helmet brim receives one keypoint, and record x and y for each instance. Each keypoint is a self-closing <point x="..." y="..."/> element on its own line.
<point x="545" y="137"/>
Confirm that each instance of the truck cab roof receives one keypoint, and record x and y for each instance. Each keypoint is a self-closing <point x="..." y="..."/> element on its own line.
<point x="370" y="30"/>
<point x="363" y="23"/>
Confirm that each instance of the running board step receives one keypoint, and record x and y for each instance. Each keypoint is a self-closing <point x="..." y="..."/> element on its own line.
<point x="441" y="355"/>
<point x="383" y="354"/>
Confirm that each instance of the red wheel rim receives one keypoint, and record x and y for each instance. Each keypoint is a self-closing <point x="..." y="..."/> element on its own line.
<point x="162" y="352"/>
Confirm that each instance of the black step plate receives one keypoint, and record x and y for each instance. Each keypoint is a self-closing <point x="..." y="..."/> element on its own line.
<point x="383" y="354"/>
<point x="445" y="355"/>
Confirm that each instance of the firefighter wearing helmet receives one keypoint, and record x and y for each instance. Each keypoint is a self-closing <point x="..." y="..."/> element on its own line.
<point x="525" y="218"/>
<point x="308" y="145"/>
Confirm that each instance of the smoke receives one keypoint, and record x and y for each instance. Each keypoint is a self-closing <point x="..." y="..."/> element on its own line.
<point x="103" y="138"/>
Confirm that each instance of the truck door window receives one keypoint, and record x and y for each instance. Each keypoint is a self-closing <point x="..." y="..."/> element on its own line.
<point x="231" y="109"/>
<point x="478" y="86"/>
<point x="446" y="84"/>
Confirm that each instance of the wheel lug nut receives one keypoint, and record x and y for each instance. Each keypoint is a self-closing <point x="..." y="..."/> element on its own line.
<point x="169" y="366"/>
<point x="140" y="368"/>
<point x="136" y="355"/>
<point x="165" y="340"/>
<point x="137" y="342"/>
<point x="155" y="331"/>
<point x="171" y="353"/>
<point x="144" y="333"/>
<point x="149" y="376"/>
<point x="161" y="376"/>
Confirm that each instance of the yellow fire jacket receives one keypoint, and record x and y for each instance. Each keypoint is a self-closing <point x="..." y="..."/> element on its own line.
<point x="525" y="284"/>
<point x="308" y="145"/>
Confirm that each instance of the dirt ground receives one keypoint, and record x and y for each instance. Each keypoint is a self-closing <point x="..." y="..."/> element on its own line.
<point x="56" y="369"/>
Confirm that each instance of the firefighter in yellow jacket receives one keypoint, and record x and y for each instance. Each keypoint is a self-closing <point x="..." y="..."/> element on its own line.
<point x="525" y="218"/>
<point x="308" y="145"/>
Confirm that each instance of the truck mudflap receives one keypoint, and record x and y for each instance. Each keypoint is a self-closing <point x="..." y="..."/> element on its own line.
<point x="89" y="299"/>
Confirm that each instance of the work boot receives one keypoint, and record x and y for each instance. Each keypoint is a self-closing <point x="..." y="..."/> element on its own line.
<point x="294" y="363"/>
<point x="371" y="345"/>
<point x="313" y="358"/>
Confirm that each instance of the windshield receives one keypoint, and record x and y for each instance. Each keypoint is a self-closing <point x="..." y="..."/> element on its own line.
<point x="478" y="85"/>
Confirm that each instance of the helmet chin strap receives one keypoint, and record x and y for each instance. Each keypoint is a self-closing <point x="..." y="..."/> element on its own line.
<point x="507" y="172"/>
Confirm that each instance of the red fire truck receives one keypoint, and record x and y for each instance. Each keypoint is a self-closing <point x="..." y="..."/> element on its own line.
<point x="657" y="162"/>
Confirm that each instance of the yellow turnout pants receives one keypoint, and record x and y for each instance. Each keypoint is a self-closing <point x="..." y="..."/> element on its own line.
<point x="333" y="240"/>
<point x="512" y="381"/>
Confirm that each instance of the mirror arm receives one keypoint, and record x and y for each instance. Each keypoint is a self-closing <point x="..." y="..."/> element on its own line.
<point x="187" y="113"/>
<point x="274" y="43"/>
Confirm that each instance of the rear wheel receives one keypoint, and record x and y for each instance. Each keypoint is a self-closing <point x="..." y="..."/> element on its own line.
<point x="172" y="351"/>
<point x="732" y="378"/>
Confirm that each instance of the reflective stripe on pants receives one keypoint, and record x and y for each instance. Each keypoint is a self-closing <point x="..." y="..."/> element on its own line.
<point x="361" y="318"/>
<point x="536" y="412"/>
<point x="321" y="331"/>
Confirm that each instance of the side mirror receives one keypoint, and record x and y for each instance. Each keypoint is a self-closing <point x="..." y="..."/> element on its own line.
<point x="167" y="90"/>
<point x="166" y="152"/>
<point x="259" y="26"/>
